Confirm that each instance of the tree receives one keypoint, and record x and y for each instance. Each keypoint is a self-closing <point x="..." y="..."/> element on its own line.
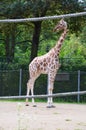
<point x="83" y="36"/>
<point x="33" y="8"/>
<point x="40" y="8"/>
<point x="9" y="10"/>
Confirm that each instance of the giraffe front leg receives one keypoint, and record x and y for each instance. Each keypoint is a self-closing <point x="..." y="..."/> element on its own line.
<point x="51" y="77"/>
<point x="50" y="99"/>
<point x="33" y="101"/>
<point x="50" y="92"/>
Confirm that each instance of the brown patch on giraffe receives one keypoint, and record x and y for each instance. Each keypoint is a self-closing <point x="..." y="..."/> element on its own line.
<point x="55" y="56"/>
<point x="58" y="54"/>
<point x="41" y="63"/>
<point x="59" y="46"/>
<point x="51" y="67"/>
<point x="44" y="69"/>
<point x="38" y="66"/>
<point x="49" y="64"/>
<point x="35" y="60"/>
<point x="44" y="64"/>
<point x="44" y="59"/>
<point x="56" y="60"/>
<point x="62" y="40"/>
<point x="48" y="60"/>
<point x="58" y="51"/>
<point x="41" y="67"/>
<point x="54" y="66"/>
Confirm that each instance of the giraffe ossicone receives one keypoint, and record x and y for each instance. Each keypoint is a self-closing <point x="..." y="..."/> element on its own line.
<point x="47" y="64"/>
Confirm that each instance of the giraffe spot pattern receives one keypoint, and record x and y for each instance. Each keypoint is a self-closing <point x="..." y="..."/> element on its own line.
<point x="62" y="40"/>
<point x="59" y="46"/>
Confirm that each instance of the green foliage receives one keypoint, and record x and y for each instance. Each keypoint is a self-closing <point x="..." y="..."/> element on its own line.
<point x="2" y="49"/>
<point x="73" y="52"/>
<point x="83" y="36"/>
<point x="72" y="48"/>
<point x="22" y="58"/>
<point x="18" y="40"/>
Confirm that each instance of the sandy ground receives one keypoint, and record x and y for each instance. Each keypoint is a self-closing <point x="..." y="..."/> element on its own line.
<point x="17" y="116"/>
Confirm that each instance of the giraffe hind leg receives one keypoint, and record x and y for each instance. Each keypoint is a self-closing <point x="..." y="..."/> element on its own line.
<point x="28" y="91"/>
<point x="33" y="101"/>
<point x="30" y="86"/>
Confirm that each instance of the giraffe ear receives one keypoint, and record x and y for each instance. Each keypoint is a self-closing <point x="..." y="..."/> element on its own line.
<point x="62" y="21"/>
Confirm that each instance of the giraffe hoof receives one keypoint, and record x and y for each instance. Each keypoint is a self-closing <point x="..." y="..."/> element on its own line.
<point x="27" y="105"/>
<point x="48" y="106"/>
<point x="51" y="106"/>
<point x="34" y="105"/>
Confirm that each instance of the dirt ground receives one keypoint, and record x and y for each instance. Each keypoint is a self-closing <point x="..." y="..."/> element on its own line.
<point x="17" y="116"/>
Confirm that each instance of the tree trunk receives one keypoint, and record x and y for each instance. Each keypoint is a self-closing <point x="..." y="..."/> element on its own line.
<point x="7" y="45"/>
<point x="10" y="43"/>
<point x="12" y="49"/>
<point x="35" y="39"/>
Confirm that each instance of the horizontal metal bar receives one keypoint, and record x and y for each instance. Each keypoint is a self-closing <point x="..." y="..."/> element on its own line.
<point x="44" y="96"/>
<point x="42" y="18"/>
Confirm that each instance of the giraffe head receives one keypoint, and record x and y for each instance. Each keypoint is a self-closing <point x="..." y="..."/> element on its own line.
<point x="62" y="25"/>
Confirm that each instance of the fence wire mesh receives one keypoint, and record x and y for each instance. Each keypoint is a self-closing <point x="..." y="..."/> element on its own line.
<point x="65" y="82"/>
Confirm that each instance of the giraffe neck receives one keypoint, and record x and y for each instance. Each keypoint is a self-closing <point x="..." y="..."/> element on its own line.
<point x="58" y="46"/>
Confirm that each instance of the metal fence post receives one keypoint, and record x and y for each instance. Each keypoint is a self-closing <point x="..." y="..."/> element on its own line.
<point x="20" y="81"/>
<point x="78" y="96"/>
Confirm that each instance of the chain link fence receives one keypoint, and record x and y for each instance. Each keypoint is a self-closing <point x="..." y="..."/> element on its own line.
<point x="13" y="83"/>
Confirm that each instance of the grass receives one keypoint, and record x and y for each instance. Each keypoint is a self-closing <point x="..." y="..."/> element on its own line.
<point x="41" y="100"/>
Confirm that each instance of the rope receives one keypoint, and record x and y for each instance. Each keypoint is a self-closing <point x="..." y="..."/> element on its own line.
<point x="42" y="18"/>
<point x="44" y="96"/>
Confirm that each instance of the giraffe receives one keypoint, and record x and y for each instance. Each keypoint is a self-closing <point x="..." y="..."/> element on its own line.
<point x="47" y="64"/>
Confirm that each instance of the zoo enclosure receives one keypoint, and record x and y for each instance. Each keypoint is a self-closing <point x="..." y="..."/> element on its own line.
<point x="13" y="83"/>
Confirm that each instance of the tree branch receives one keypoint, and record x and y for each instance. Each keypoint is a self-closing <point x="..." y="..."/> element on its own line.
<point x="24" y="42"/>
